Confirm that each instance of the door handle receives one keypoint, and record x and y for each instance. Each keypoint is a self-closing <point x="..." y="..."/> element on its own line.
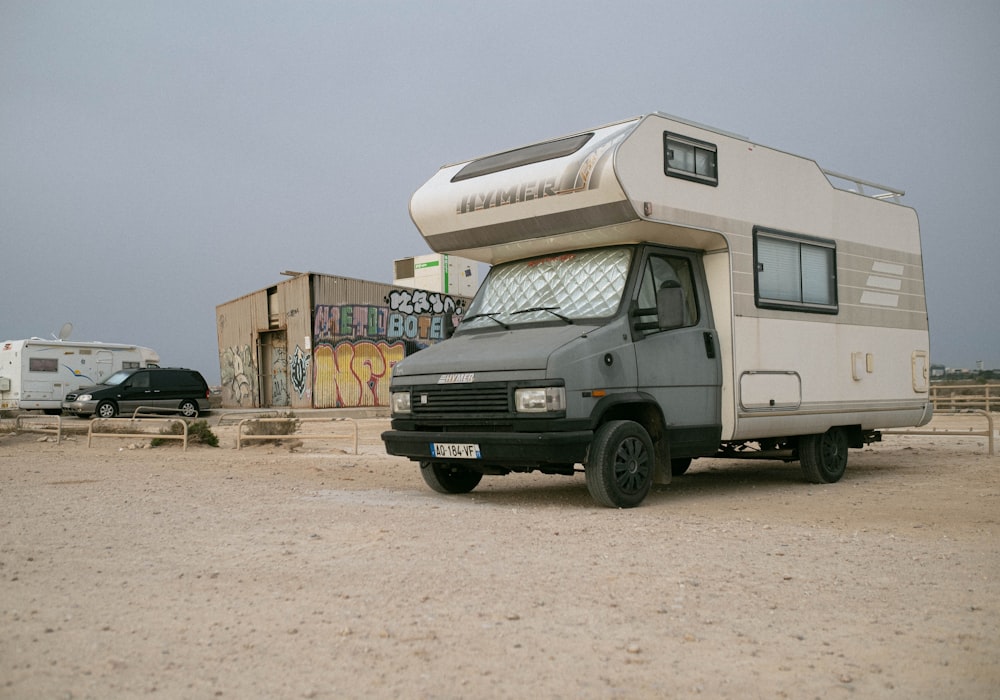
<point x="709" y="344"/>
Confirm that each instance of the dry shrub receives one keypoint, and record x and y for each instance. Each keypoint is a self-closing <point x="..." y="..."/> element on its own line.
<point x="286" y="426"/>
<point x="198" y="433"/>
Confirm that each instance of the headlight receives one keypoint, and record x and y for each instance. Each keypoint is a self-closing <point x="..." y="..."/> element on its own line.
<point x="540" y="399"/>
<point x="400" y="402"/>
<point x="84" y="397"/>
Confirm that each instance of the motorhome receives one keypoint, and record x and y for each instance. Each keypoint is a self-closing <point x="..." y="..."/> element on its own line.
<point x="662" y="291"/>
<point x="35" y="374"/>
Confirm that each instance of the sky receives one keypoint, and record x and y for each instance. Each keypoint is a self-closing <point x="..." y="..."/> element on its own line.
<point x="160" y="158"/>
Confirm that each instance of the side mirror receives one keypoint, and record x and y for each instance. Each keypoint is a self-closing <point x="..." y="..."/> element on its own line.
<point x="670" y="308"/>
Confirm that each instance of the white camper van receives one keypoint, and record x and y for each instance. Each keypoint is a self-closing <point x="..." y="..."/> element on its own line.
<point x="37" y="373"/>
<point x="662" y="291"/>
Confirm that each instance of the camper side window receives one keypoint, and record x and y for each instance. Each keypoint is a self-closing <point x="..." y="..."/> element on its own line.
<point x="690" y="159"/>
<point x="793" y="272"/>
<point x="43" y="364"/>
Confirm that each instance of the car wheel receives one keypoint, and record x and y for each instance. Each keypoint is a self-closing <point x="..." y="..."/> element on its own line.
<point x="189" y="409"/>
<point x="620" y="471"/>
<point x="447" y="478"/>
<point x="679" y="465"/>
<point x="823" y="457"/>
<point x="106" y="409"/>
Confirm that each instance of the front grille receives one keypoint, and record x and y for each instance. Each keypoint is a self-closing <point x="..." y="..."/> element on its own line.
<point x="70" y="397"/>
<point x="452" y="399"/>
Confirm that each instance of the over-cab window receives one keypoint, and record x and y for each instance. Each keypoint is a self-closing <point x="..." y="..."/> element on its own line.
<point x="519" y="157"/>
<point x="690" y="159"/>
<point x="794" y="272"/>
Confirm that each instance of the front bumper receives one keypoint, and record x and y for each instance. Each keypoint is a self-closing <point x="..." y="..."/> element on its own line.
<point x="501" y="449"/>
<point x="80" y="408"/>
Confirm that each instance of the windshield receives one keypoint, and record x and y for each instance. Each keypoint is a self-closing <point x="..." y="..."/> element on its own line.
<point x="562" y="288"/>
<point x="117" y="378"/>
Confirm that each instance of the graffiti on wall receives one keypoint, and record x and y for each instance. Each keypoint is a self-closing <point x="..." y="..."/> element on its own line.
<point x="411" y="315"/>
<point x="356" y="346"/>
<point x="238" y="372"/>
<point x="279" y="376"/>
<point x="355" y="372"/>
<point x="298" y="366"/>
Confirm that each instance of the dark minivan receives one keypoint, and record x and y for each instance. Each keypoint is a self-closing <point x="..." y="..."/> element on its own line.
<point x="177" y="390"/>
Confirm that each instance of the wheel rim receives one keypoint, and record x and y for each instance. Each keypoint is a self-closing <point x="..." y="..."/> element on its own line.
<point x="832" y="450"/>
<point x="631" y="465"/>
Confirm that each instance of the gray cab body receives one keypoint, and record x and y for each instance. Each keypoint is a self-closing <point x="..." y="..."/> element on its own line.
<point x="662" y="291"/>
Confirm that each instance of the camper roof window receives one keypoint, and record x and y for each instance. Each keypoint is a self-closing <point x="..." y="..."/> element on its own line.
<point x="522" y="156"/>
<point x="690" y="159"/>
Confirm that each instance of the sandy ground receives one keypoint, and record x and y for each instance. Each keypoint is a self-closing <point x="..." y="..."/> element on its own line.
<point x="317" y="573"/>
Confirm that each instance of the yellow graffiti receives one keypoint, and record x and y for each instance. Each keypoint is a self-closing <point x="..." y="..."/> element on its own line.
<point x="354" y="373"/>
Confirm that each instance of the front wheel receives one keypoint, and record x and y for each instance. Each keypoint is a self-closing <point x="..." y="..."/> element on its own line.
<point x="446" y="478"/>
<point x="823" y="457"/>
<point x="106" y="409"/>
<point x="621" y="464"/>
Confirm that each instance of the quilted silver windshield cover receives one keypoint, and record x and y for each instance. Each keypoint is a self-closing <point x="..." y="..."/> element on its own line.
<point x="576" y="285"/>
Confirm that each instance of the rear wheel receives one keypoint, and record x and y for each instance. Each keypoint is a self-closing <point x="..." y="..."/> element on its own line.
<point x="106" y="409"/>
<point x="447" y="478"/>
<point x="679" y="465"/>
<point x="189" y="409"/>
<point x="823" y="457"/>
<point x="620" y="471"/>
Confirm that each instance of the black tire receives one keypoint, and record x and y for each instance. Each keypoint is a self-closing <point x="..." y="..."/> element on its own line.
<point x="106" y="409"/>
<point x="189" y="409"/>
<point x="679" y="465"/>
<point x="823" y="457"/>
<point x="447" y="478"/>
<point x="620" y="471"/>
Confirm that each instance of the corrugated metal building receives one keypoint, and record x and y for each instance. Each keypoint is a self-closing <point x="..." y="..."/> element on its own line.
<point x="321" y="341"/>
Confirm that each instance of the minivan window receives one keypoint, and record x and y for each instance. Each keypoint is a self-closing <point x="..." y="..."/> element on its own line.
<point x="117" y="378"/>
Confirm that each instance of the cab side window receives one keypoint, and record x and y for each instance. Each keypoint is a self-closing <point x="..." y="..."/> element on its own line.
<point x="139" y="380"/>
<point x="666" y="271"/>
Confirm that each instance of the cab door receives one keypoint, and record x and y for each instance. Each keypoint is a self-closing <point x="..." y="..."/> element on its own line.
<point x="136" y="391"/>
<point x="680" y="366"/>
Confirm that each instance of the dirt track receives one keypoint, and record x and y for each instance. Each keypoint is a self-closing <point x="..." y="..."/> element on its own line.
<point x="315" y="573"/>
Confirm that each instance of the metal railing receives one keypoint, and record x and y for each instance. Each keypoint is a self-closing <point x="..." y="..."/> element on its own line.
<point x="988" y="433"/>
<point x="235" y="417"/>
<point x="51" y="425"/>
<point x="100" y="427"/>
<point x="955" y="396"/>
<point x="295" y="435"/>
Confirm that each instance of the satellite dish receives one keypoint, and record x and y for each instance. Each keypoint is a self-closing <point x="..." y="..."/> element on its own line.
<point x="65" y="331"/>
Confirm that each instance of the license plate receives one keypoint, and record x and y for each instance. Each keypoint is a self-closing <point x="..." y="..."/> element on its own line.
<point x="454" y="450"/>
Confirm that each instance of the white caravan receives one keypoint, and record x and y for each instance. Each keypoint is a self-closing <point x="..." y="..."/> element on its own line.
<point x="35" y="374"/>
<point x="662" y="291"/>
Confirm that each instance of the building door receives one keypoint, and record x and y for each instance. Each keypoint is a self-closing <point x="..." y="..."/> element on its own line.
<point x="274" y="369"/>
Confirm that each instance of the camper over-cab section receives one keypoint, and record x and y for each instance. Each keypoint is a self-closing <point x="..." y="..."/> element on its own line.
<point x="711" y="295"/>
